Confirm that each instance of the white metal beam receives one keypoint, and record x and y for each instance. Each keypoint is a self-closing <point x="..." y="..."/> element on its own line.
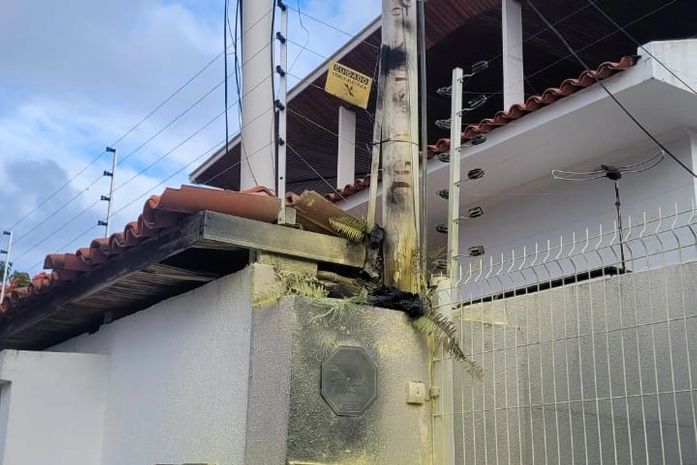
<point x="513" y="72"/>
<point x="346" y="154"/>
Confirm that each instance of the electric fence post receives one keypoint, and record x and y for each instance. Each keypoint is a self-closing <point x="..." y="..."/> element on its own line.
<point x="7" y="252"/>
<point x="280" y="104"/>
<point x="109" y="198"/>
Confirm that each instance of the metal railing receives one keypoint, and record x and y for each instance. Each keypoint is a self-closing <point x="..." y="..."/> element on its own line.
<point x="587" y="345"/>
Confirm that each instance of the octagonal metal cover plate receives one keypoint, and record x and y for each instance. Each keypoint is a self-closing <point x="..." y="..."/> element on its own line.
<point x="349" y="381"/>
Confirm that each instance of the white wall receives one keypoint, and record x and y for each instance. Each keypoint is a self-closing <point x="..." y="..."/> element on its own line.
<point x="178" y="382"/>
<point x="51" y="408"/>
<point x="545" y="210"/>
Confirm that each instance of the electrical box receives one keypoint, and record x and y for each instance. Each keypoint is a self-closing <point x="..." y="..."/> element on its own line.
<point x="416" y="392"/>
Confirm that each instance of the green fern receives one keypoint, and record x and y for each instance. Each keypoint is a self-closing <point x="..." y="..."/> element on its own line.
<point x="349" y="227"/>
<point x="444" y="334"/>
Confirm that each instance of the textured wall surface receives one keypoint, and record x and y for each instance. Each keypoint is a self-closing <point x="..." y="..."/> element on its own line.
<point x="52" y="407"/>
<point x="178" y="382"/>
<point x="288" y="419"/>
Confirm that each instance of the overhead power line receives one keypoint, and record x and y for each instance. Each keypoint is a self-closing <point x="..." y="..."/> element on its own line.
<point x="121" y="138"/>
<point x="609" y="93"/>
<point x="640" y="45"/>
<point x="331" y="26"/>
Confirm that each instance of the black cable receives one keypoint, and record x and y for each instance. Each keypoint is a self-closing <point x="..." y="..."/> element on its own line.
<point x="331" y="26"/>
<point x="640" y="45"/>
<point x="609" y="93"/>
<point x="121" y="138"/>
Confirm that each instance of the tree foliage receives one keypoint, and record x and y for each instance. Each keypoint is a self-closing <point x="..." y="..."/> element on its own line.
<point x="15" y="278"/>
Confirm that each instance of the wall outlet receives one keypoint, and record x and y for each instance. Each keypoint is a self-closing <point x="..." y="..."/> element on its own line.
<point x="416" y="392"/>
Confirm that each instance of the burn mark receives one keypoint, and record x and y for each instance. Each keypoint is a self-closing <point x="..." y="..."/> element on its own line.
<point x="391" y="58"/>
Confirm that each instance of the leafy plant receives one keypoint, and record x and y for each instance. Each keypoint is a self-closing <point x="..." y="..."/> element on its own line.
<point x="291" y="284"/>
<point x="349" y="227"/>
<point x="444" y="334"/>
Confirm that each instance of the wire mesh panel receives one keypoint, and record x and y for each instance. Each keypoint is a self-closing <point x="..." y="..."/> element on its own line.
<point x="588" y="348"/>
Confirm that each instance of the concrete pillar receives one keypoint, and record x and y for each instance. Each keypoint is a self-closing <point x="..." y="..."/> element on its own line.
<point x="331" y="387"/>
<point x="257" y="164"/>
<point x="346" y="153"/>
<point x="512" y="31"/>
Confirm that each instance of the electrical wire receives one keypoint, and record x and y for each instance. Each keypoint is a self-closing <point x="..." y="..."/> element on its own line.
<point x="331" y="26"/>
<point x="610" y="94"/>
<point x="309" y="165"/>
<point x="118" y="140"/>
<point x="640" y="45"/>
<point x="307" y="40"/>
<point x="95" y="181"/>
<point x="207" y="152"/>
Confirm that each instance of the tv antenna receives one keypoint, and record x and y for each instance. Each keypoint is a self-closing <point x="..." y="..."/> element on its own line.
<point x="614" y="174"/>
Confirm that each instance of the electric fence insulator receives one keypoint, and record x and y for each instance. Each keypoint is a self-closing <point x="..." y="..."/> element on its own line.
<point x="105" y="198"/>
<point x="443" y="194"/>
<point x="282" y="5"/>
<point x="443" y="123"/>
<point x="280" y="38"/>
<point x="476" y="251"/>
<point x="443" y="157"/>
<point x="279" y="106"/>
<point x="101" y="223"/>
<point x="479" y="66"/>
<point x="442" y="228"/>
<point x="445" y="91"/>
<point x="280" y="71"/>
<point x="476" y="173"/>
<point x="478" y="139"/>
<point x="475" y="103"/>
<point x="107" y="173"/>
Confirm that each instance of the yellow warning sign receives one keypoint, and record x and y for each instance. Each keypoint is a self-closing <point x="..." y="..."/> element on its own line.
<point x="348" y="84"/>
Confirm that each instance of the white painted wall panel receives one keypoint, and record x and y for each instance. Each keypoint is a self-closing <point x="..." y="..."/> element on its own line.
<point x="178" y="382"/>
<point x="52" y="407"/>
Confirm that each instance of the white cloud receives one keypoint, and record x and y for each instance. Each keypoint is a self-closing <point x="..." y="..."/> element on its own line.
<point x="76" y="75"/>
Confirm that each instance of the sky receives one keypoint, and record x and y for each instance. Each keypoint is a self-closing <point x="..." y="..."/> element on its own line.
<point x="79" y="75"/>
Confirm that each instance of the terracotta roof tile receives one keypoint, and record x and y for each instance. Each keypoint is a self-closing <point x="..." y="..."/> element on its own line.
<point x="567" y="87"/>
<point x="532" y="104"/>
<point x="259" y="203"/>
<point x="159" y="212"/>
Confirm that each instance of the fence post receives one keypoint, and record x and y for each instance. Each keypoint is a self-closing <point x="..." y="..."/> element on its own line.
<point x="445" y="289"/>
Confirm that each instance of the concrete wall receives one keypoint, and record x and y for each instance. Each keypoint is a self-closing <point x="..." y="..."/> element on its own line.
<point x="545" y="210"/>
<point x="177" y="388"/>
<point x="602" y="370"/>
<point x="52" y="408"/>
<point x="290" y="422"/>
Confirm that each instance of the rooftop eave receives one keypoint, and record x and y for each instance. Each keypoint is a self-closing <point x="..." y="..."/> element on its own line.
<point x="580" y="127"/>
<point x="295" y="91"/>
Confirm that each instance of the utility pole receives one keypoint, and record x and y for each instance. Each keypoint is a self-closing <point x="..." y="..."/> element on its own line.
<point x="400" y="145"/>
<point x="7" y="263"/>
<point x="109" y="198"/>
<point x="257" y="148"/>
